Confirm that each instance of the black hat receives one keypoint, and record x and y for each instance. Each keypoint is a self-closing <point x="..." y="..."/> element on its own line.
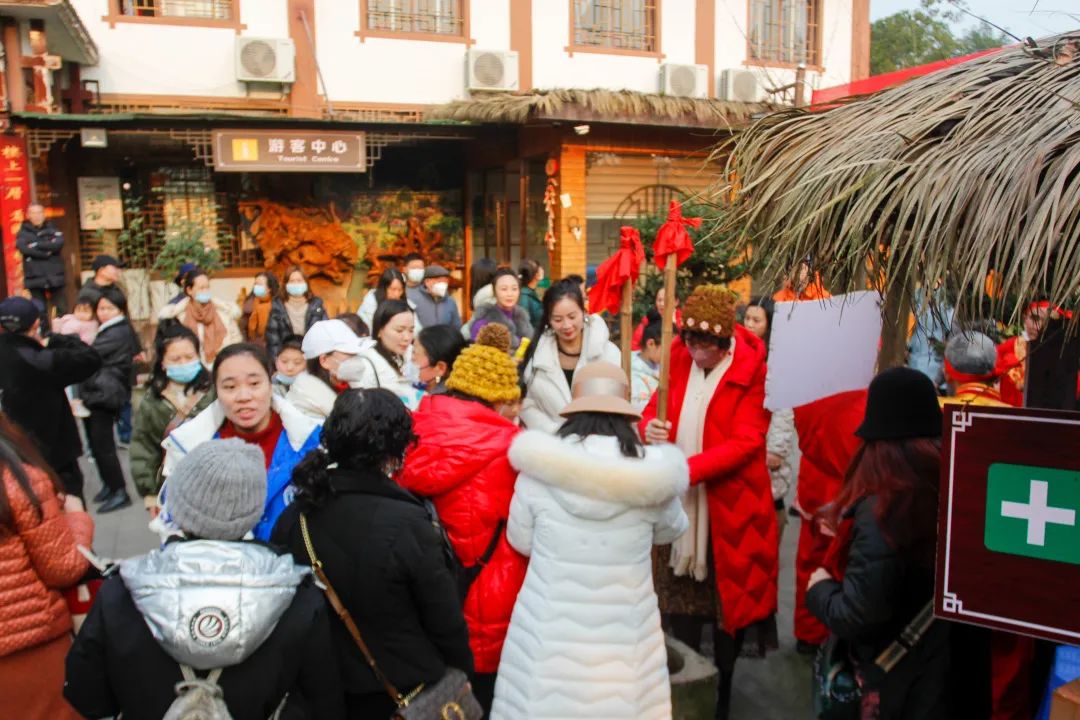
<point x="104" y="261"/>
<point x="17" y="314"/>
<point x="901" y="404"/>
<point x="435" y="271"/>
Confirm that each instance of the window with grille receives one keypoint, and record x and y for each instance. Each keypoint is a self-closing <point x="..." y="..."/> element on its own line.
<point x="426" y="17"/>
<point x="785" y="31"/>
<point x="201" y="9"/>
<point x="615" y="24"/>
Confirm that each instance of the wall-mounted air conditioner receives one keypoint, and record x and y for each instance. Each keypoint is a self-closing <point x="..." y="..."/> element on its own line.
<point x="491" y="70"/>
<point x="689" y="81"/>
<point x="740" y="85"/>
<point x="270" y="60"/>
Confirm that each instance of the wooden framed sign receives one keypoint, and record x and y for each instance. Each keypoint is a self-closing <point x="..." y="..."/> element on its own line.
<point x="289" y="151"/>
<point x="1008" y="554"/>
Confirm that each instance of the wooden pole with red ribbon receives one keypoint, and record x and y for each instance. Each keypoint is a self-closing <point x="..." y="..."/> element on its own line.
<point x="614" y="288"/>
<point x="672" y="248"/>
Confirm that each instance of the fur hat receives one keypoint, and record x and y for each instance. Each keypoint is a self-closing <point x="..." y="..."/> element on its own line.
<point x="485" y="370"/>
<point x="710" y="309"/>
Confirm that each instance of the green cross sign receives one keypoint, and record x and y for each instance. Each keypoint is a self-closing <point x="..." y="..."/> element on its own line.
<point x="1032" y="511"/>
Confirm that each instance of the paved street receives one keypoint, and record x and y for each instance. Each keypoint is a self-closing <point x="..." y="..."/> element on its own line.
<point x="776" y="688"/>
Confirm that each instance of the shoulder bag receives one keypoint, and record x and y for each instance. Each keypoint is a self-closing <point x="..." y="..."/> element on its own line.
<point x="837" y="690"/>
<point x="449" y="699"/>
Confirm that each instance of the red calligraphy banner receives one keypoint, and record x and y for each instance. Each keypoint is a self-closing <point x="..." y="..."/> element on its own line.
<point x="14" y="196"/>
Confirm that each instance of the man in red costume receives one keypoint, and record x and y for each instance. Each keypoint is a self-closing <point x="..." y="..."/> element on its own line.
<point x="1013" y="352"/>
<point x="725" y="566"/>
<point x="827" y="441"/>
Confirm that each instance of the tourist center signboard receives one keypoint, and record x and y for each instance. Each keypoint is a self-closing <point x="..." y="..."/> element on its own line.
<point x="1008" y="553"/>
<point x="289" y="151"/>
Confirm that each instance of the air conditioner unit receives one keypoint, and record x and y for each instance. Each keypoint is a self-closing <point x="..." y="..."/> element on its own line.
<point x="689" y="81"/>
<point x="741" y="86"/>
<point x="491" y="70"/>
<point x="270" y="60"/>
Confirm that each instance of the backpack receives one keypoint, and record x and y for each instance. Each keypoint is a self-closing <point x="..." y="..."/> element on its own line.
<point x="198" y="698"/>
<point x="203" y="699"/>
<point x="464" y="576"/>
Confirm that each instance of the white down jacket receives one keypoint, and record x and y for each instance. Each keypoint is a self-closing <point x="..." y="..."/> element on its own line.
<point x="547" y="390"/>
<point x="585" y="639"/>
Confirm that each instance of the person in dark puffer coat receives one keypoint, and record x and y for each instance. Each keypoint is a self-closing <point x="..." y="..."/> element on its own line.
<point x="879" y="571"/>
<point x="379" y="550"/>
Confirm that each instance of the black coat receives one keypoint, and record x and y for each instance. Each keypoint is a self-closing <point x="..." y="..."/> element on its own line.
<point x="883" y="589"/>
<point x="279" y="327"/>
<point x="43" y="267"/>
<point x="110" y="387"/>
<point x="386" y="561"/>
<point x="32" y="382"/>
<point x="116" y="665"/>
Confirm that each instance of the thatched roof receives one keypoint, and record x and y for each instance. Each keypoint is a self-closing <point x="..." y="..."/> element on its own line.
<point x="618" y="106"/>
<point x="970" y="169"/>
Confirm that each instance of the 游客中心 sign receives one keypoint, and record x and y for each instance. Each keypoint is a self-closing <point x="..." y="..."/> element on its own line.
<point x="289" y="151"/>
<point x="1009" y="524"/>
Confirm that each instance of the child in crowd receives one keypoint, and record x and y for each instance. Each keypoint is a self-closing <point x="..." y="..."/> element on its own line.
<point x="289" y="363"/>
<point x="645" y="363"/>
<point x="80" y="321"/>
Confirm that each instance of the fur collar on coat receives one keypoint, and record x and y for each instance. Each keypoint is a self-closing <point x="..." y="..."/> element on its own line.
<point x="595" y="468"/>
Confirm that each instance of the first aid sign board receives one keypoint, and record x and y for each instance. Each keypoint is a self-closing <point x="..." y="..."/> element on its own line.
<point x="1008" y="554"/>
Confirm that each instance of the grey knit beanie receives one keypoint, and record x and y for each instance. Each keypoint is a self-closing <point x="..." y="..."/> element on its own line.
<point x="217" y="491"/>
<point x="972" y="353"/>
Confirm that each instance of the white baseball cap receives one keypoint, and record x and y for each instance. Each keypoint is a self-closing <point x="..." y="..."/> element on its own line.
<point x="327" y="336"/>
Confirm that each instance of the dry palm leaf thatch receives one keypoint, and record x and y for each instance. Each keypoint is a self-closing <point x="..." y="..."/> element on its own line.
<point x="613" y="105"/>
<point x="972" y="169"/>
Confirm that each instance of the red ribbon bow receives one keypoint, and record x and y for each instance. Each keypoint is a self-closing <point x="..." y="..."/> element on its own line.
<point x="673" y="238"/>
<point x="622" y="267"/>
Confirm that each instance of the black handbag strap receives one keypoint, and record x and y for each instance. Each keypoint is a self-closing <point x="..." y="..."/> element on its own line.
<point x="909" y="637"/>
<point x="346" y="618"/>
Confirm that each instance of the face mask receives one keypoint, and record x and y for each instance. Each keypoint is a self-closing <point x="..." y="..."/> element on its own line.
<point x="439" y="289"/>
<point x="259" y="291"/>
<point x="203" y="298"/>
<point x="283" y="379"/>
<point x="184" y="373"/>
<point x="415" y="276"/>
<point x="296" y="289"/>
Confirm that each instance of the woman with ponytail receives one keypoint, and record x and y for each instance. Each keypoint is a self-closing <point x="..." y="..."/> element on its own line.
<point x="379" y="551"/>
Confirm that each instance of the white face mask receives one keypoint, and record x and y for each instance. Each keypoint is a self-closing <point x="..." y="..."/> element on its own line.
<point x="415" y="275"/>
<point x="439" y="289"/>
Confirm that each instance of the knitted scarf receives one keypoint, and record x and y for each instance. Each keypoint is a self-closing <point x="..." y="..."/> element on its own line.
<point x="259" y="318"/>
<point x="212" y="331"/>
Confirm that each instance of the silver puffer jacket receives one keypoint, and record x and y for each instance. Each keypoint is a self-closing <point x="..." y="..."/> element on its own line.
<point x="211" y="603"/>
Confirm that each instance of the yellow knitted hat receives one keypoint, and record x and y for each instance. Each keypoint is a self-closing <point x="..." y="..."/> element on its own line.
<point x="484" y="370"/>
<point x="710" y="309"/>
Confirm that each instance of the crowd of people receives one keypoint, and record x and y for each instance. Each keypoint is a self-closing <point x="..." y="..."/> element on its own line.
<point x="496" y="499"/>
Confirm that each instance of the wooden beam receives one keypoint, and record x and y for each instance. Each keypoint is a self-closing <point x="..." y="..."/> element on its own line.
<point x="705" y="39"/>
<point x="304" y="96"/>
<point x="13" y="61"/>
<point x="521" y="40"/>
<point x="860" y="39"/>
<point x="570" y="254"/>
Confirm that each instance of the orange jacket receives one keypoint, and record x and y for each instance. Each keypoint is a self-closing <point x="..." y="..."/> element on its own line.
<point x="36" y="563"/>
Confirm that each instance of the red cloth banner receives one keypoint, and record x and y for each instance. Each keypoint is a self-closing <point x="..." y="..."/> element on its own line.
<point x="14" y="197"/>
<point x="613" y="273"/>
<point x="673" y="238"/>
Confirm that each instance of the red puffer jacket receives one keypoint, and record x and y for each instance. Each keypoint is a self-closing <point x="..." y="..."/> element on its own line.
<point x="36" y="562"/>
<point x="742" y="517"/>
<point x="460" y="463"/>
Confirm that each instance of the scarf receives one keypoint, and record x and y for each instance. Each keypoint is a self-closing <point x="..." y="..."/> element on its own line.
<point x="259" y="318"/>
<point x="212" y="331"/>
<point x="690" y="553"/>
